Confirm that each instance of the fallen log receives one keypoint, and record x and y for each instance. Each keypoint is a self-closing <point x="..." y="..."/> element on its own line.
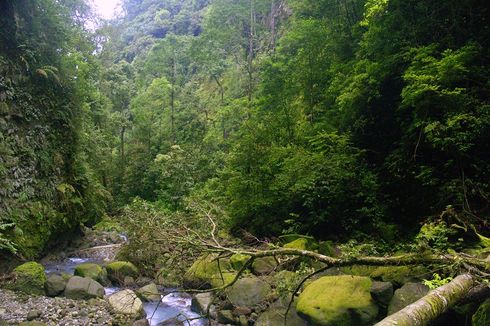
<point x="434" y="304"/>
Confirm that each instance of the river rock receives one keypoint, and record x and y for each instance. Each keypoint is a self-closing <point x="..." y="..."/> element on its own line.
<point x="83" y="288"/>
<point x="118" y="270"/>
<point x="275" y="316"/>
<point x="201" y="302"/>
<point x="149" y="293"/>
<point x="29" y="278"/>
<point x="382" y="292"/>
<point x="141" y="322"/>
<point x="127" y="302"/>
<point x="264" y="265"/>
<point x="226" y="317"/>
<point x="482" y="315"/>
<point x="248" y="292"/>
<point x="92" y="271"/>
<point x="407" y="294"/>
<point x="55" y="285"/>
<point x="208" y="271"/>
<point x="33" y="314"/>
<point x="238" y="260"/>
<point x="338" y="300"/>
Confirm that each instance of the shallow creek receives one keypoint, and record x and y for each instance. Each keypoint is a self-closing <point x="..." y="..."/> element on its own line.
<point x="173" y="307"/>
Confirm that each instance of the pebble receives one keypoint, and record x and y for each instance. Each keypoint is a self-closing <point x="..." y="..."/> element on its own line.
<point x="16" y="308"/>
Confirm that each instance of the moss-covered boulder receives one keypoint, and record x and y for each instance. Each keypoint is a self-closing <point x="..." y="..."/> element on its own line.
<point x="302" y="244"/>
<point x="338" y="300"/>
<point x="287" y="238"/>
<point x="482" y="315"/>
<point x="93" y="271"/>
<point x="29" y="278"/>
<point x="209" y="271"/>
<point x="397" y="275"/>
<point x="237" y="261"/>
<point x="407" y="294"/>
<point x="118" y="270"/>
<point x="248" y="292"/>
<point x="264" y="265"/>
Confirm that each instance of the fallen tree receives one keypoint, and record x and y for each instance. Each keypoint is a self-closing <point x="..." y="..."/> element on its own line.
<point x="434" y="304"/>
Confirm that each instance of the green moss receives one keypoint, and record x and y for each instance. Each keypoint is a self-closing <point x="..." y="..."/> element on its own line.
<point x="482" y="315"/>
<point x="238" y="260"/>
<point x="29" y="278"/>
<point x="92" y="271"/>
<point x="338" y="300"/>
<point x="302" y="244"/>
<point x="116" y="271"/>
<point x="209" y="271"/>
<point x="395" y="274"/>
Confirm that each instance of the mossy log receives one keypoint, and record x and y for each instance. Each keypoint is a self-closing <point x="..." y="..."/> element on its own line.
<point x="431" y="306"/>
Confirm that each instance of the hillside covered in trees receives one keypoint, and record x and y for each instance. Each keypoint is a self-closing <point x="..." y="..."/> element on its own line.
<point x="360" y="124"/>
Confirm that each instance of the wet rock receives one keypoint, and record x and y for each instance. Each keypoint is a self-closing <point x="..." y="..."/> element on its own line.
<point x="201" y="302"/>
<point x="129" y="281"/>
<point x="126" y="302"/>
<point x="83" y="288"/>
<point x="382" y="292"/>
<point x="55" y="285"/>
<point x="247" y="292"/>
<point x="142" y="281"/>
<point x="149" y="293"/>
<point x="407" y="294"/>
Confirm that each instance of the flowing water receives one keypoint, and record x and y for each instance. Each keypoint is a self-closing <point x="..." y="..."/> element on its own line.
<point x="174" y="308"/>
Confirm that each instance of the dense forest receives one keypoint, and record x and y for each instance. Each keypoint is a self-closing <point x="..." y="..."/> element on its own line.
<point x="363" y="123"/>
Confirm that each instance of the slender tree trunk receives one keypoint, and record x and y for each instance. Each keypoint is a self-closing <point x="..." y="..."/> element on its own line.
<point x="172" y="97"/>
<point x="434" y="304"/>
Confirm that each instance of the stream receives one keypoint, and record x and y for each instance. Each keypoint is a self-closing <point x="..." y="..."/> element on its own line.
<point x="174" y="307"/>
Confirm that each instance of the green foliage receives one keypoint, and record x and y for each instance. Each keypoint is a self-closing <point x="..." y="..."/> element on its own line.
<point x="437" y="235"/>
<point x="437" y="281"/>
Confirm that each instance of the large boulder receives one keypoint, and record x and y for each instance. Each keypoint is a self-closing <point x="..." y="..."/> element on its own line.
<point x="264" y="265"/>
<point x="149" y="293"/>
<point x="92" y="271"/>
<point x="238" y="261"/>
<point x="303" y="243"/>
<point x="29" y="278"/>
<point x="202" y="302"/>
<point x="248" y="292"/>
<point x="83" y="288"/>
<point x="274" y="315"/>
<point x="118" y="270"/>
<point x="482" y="315"/>
<point x="127" y="302"/>
<point x="338" y="300"/>
<point x="382" y="292"/>
<point x="407" y="294"/>
<point x="209" y="271"/>
<point x="55" y="285"/>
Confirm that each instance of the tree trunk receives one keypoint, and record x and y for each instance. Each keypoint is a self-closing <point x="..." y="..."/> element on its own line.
<point x="434" y="304"/>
